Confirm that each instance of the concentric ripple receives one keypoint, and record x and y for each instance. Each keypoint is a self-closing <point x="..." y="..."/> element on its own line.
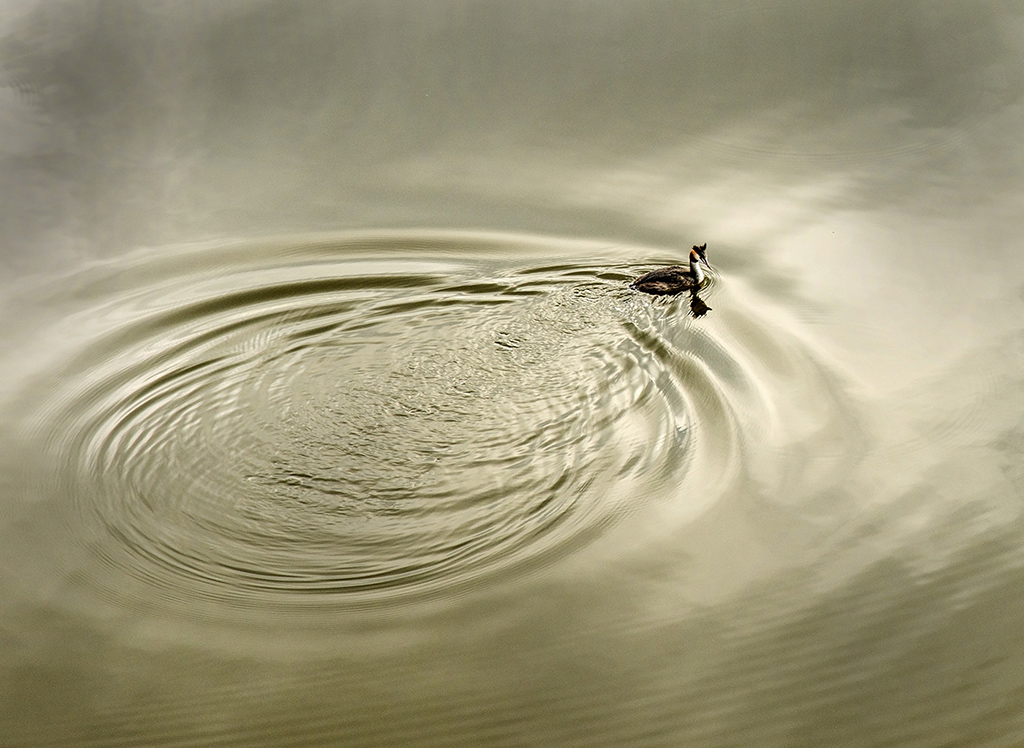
<point x="358" y="420"/>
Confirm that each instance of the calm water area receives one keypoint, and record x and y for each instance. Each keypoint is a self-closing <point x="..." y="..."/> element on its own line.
<point x="328" y="417"/>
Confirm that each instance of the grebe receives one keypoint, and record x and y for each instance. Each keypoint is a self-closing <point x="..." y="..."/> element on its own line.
<point x="672" y="280"/>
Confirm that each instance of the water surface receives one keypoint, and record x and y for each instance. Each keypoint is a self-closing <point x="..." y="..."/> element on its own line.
<point x="328" y="417"/>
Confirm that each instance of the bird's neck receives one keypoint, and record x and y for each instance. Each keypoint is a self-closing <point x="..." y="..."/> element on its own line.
<point x="695" y="268"/>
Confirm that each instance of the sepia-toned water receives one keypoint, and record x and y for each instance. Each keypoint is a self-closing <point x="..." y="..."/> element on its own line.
<point x="328" y="417"/>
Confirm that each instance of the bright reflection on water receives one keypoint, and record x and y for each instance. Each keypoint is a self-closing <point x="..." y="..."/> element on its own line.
<point x="328" y="417"/>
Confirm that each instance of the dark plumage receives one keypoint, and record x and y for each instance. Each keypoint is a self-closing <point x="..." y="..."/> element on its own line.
<point x="675" y="279"/>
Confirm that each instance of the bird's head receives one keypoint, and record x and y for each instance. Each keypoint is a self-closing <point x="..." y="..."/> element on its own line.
<point x="699" y="254"/>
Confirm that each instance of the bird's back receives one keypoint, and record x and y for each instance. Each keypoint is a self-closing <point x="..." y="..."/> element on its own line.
<point x="665" y="281"/>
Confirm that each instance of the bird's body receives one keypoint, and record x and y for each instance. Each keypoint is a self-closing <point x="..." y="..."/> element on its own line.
<point x="675" y="279"/>
<point x="666" y="281"/>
